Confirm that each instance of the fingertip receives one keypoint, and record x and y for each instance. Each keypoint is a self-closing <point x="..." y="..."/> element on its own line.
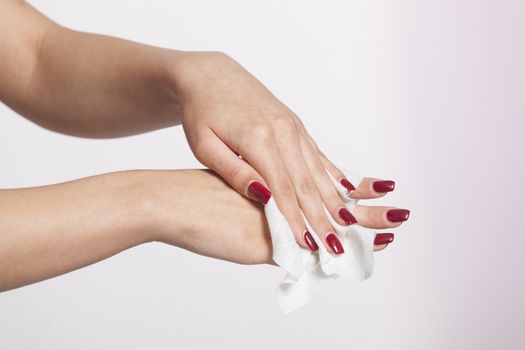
<point x="383" y="186"/>
<point x="310" y="242"/>
<point x="366" y="190"/>
<point x="383" y="238"/>
<point x="258" y="192"/>
<point x="378" y="248"/>
<point x="347" y="216"/>
<point x="347" y="185"/>
<point x="334" y="243"/>
<point x="398" y="215"/>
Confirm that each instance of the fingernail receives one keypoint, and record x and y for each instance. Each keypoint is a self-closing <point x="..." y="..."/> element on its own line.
<point x="310" y="241"/>
<point x="258" y="192"/>
<point x="347" y="216"/>
<point x="335" y="244"/>
<point x="397" y="215"/>
<point x="384" y="238"/>
<point x="384" y="186"/>
<point x="349" y="187"/>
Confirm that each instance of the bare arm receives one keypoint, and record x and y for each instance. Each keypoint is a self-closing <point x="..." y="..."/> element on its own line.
<point x="98" y="86"/>
<point x="50" y="230"/>
<point x="82" y="84"/>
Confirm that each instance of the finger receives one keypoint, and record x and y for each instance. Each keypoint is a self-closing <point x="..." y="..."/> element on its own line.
<point x="370" y="188"/>
<point x="306" y="189"/>
<point x="379" y="217"/>
<point x="271" y="166"/>
<point x="367" y="188"/>
<point x="213" y="153"/>
<point x="329" y="195"/>
<point x="330" y="167"/>
<point x="382" y="240"/>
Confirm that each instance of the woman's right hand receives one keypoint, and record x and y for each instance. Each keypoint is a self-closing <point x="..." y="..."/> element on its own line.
<point x="198" y="211"/>
<point x="227" y="112"/>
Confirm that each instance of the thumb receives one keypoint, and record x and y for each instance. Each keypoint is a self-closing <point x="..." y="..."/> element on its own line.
<point x="216" y="155"/>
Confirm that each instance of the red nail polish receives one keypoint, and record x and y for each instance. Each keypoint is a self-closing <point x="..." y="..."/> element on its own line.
<point x="335" y="244"/>
<point x="347" y="216"/>
<point x="310" y="241"/>
<point x="384" y="186"/>
<point x="258" y="192"/>
<point x="384" y="238"/>
<point x="349" y="187"/>
<point x="397" y="215"/>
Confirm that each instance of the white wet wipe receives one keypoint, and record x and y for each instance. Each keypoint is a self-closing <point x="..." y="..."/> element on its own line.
<point x="308" y="273"/>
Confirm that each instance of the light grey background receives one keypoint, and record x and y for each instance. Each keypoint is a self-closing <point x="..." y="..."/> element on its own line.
<point x="428" y="93"/>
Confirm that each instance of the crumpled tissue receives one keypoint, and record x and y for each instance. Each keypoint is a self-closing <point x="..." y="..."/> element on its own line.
<point x="308" y="273"/>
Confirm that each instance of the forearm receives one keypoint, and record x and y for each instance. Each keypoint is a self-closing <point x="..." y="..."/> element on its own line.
<point x="83" y="84"/>
<point x="50" y="230"/>
<point x="47" y="231"/>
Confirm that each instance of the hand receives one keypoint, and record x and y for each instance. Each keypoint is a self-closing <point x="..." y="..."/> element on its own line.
<point x="198" y="211"/>
<point x="77" y="223"/>
<point x="98" y="86"/>
<point x="228" y="113"/>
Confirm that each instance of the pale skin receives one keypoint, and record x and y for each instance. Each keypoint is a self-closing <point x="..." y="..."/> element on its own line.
<point x="97" y="86"/>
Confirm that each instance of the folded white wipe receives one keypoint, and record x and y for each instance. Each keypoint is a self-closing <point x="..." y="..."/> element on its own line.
<point x="308" y="273"/>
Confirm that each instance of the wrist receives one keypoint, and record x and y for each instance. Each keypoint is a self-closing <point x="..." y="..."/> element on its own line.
<point x="135" y="201"/>
<point x="157" y="207"/>
<point x="189" y="70"/>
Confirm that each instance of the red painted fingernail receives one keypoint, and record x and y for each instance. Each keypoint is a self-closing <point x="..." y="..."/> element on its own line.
<point x="347" y="216"/>
<point x="384" y="186"/>
<point x="397" y="215"/>
<point x="335" y="244"/>
<point x="384" y="238"/>
<point x="349" y="187"/>
<point x="310" y="241"/>
<point x="258" y="192"/>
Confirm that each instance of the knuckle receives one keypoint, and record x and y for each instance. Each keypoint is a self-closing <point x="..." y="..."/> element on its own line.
<point x="320" y="222"/>
<point x="318" y="170"/>
<point x="286" y="188"/>
<point x="261" y="132"/>
<point x="298" y="122"/>
<point x="307" y="186"/>
<point x="285" y="125"/>
<point x="233" y="173"/>
<point x="317" y="149"/>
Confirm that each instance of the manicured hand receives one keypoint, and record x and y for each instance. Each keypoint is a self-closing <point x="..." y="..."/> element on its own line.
<point x="198" y="211"/>
<point x="238" y="128"/>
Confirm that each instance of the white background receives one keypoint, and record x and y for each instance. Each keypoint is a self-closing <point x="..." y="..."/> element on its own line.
<point x="428" y="93"/>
